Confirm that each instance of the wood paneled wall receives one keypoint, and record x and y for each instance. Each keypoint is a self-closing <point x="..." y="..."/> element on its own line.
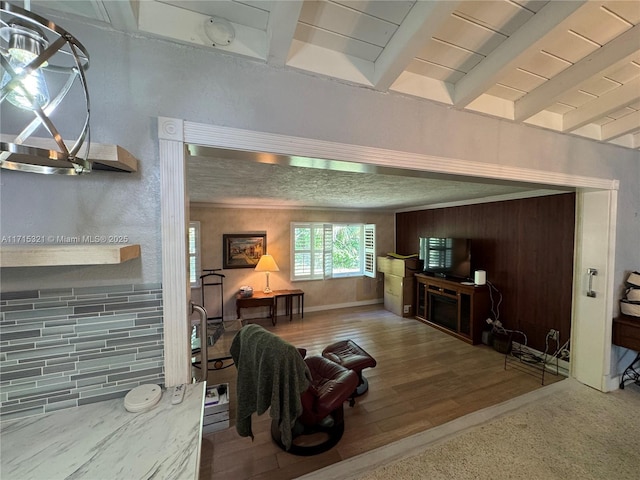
<point x="527" y="248"/>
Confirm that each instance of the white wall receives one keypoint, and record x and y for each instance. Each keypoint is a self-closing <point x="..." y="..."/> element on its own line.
<point x="134" y="80"/>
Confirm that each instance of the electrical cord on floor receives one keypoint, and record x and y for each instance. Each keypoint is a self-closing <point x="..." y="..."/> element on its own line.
<point x="521" y="351"/>
<point x="546" y="345"/>
<point x="525" y="355"/>
<point x="561" y="353"/>
<point x="559" y="350"/>
<point x="500" y="329"/>
<point x="495" y="309"/>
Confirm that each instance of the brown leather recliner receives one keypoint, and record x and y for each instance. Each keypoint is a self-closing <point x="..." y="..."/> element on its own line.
<point x="322" y="404"/>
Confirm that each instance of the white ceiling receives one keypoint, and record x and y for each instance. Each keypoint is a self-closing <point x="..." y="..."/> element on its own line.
<point x="247" y="179"/>
<point x="568" y="66"/>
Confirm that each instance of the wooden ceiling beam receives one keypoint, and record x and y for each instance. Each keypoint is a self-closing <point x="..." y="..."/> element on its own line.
<point x="421" y="23"/>
<point x="123" y="15"/>
<point x="621" y="50"/>
<point x="507" y="55"/>
<point x="281" y="27"/>
<point x="602" y="106"/>
<point x="627" y="124"/>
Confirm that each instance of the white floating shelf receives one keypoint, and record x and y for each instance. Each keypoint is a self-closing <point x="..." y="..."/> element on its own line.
<point x="113" y="157"/>
<point x="103" y="156"/>
<point x="58" y="255"/>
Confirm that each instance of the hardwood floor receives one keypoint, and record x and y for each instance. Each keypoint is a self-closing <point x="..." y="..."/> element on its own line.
<point x="424" y="378"/>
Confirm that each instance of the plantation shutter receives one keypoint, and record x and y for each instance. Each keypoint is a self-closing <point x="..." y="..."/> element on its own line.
<point x="328" y="250"/>
<point x="301" y="251"/>
<point x="370" y="250"/>
<point x="194" y="254"/>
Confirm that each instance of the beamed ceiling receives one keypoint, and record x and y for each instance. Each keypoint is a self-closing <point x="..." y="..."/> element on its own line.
<point x="569" y="66"/>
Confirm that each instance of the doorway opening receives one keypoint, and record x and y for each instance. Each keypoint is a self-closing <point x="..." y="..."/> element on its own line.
<point x="597" y="195"/>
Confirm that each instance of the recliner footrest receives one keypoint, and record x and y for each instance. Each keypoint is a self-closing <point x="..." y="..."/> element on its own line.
<point x="350" y="355"/>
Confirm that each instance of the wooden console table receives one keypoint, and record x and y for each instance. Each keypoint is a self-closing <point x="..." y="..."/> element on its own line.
<point x="288" y="296"/>
<point x="261" y="299"/>
<point x="626" y="333"/>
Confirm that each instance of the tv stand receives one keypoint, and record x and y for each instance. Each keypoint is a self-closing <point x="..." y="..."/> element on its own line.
<point x="445" y="276"/>
<point x="457" y="309"/>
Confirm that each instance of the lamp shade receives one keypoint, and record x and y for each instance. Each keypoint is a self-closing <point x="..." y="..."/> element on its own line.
<point x="267" y="264"/>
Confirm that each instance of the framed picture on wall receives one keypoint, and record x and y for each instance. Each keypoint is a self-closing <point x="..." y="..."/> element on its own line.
<point x="243" y="250"/>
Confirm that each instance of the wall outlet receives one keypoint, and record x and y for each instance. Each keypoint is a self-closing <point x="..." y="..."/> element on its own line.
<point x="407" y="308"/>
<point x="554" y="334"/>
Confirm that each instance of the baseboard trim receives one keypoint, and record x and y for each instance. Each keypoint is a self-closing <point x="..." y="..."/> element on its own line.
<point x="612" y="382"/>
<point x="335" y="306"/>
<point x="318" y="308"/>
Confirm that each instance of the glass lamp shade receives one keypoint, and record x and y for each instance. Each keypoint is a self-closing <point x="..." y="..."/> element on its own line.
<point x="28" y="89"/>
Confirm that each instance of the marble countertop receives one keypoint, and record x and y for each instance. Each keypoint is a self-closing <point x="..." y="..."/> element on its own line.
<point x="104" y="441"/>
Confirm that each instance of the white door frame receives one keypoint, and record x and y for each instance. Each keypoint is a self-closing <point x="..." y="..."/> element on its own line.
<point x="174" y="134"/>
<point x="592" y="320"/>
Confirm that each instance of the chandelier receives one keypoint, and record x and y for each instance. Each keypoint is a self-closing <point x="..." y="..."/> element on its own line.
<point x="43" y="78"/>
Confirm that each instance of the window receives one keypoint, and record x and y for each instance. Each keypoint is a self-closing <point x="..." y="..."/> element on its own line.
<point x="332" y="250"/>
<point x="194" y="254"/>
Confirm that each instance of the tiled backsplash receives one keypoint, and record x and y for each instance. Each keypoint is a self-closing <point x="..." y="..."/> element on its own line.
<point x="61" y="348"/>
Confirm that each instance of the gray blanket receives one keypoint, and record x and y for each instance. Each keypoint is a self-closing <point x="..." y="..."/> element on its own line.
<point x="271" y="373"/>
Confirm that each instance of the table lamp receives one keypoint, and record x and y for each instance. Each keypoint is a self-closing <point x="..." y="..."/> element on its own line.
<point x="267" y="264"/>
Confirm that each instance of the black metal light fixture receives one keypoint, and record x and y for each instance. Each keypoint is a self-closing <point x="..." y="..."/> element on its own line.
<point x="39" y="57"/>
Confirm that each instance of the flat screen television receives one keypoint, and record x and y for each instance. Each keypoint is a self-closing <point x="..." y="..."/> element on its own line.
<point x="446" y="257"/>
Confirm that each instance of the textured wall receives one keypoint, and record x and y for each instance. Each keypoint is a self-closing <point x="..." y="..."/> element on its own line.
<point x="318" y="293"/>
<point x="66" y="347"/>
